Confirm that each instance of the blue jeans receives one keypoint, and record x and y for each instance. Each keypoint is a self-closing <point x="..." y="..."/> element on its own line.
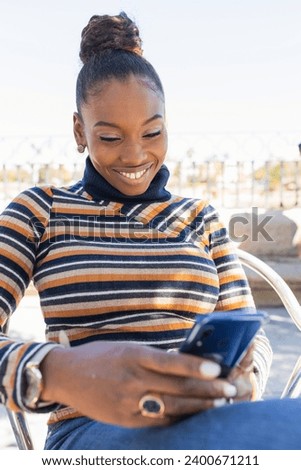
<point x="270" y="424"/>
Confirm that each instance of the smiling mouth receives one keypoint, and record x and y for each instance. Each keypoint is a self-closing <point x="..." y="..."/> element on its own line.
<point x="133" y="175"/>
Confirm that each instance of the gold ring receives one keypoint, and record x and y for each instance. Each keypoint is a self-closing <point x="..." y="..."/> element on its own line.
<point x="152" y="406"/>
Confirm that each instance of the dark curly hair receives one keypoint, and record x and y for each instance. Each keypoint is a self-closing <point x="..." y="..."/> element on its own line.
<point x="111" y="48"/>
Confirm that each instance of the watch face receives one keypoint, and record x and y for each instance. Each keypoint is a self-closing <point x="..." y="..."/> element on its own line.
<point x="34" y="384"/>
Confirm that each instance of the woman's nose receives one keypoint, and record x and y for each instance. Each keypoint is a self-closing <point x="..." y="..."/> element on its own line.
<point x="132" y="154"/>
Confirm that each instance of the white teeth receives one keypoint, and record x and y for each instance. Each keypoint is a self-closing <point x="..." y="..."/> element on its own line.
<point x="133" y="176"/>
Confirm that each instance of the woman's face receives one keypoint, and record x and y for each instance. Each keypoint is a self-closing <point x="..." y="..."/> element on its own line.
<point x="123" y="127"/>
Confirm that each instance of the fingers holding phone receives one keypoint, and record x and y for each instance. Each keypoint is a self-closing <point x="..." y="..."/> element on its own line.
<point x="242" y="376"/>
<point x="227" y="338"/>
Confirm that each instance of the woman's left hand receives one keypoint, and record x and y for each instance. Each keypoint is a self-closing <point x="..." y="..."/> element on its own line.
<point x="242" y="376"/>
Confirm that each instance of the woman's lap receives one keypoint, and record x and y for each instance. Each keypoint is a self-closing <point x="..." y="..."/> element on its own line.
<point x="270" y="424"/>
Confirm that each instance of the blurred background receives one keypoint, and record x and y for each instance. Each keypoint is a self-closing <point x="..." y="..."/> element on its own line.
<point x="231" y="72"/>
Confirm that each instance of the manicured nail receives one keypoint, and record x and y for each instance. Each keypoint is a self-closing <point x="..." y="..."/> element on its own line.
<point x="219" y="402"/>
<point x="210" y="369"/>
<point x="230" y="390"/>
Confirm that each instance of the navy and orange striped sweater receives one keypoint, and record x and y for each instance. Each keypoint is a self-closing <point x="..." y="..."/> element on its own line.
<point x="113" y="268"/>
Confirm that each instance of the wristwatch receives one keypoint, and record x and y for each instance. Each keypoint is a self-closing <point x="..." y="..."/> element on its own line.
<point x="32" y="381"/>
<point x="33" y="384"/>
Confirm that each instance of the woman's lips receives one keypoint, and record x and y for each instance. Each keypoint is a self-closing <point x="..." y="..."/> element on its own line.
<point x="133" y="175"/>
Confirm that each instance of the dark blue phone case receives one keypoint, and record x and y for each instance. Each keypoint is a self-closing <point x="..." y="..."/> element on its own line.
<point x="224" y="336"/>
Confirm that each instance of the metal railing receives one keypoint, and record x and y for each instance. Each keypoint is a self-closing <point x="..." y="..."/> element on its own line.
<point x="241" y="184"/>
<point x="230" y="171"/>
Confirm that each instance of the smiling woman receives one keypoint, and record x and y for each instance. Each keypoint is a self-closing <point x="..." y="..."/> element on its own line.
<point x="124" y="131"/>
<point x="123" y="270"/>
<point x="120" y="101"/>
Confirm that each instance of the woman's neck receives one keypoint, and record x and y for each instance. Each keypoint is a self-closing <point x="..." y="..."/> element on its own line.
<point x="99" y="188"/>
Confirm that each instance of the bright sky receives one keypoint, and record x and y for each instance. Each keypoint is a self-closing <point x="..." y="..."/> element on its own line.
<point x="226" y="65"/>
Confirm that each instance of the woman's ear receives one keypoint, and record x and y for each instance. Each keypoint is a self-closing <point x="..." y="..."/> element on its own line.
<point x="78" y="130"/>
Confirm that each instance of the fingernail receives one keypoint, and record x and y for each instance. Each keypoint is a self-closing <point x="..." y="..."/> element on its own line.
<point x="219" y="402"/>
<point x="230" y="390"/>
<point x="210" y="369"/>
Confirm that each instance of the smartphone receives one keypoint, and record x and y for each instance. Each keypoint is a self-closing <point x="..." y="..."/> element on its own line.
<point x="224" y="336"/>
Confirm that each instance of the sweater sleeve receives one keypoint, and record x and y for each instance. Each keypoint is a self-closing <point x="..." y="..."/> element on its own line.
<point x="235" y="291"/>
<point x="21" y="226"/>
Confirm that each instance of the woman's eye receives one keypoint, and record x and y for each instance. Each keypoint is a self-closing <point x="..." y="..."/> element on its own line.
<point x="152" y="134"/>
<point x="109" y="139"/>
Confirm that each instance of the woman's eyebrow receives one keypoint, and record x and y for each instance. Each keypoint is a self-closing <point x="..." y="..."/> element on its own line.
<point x="111" y="124"/>
<point x="107" y="124"/>
<point x="153" y="118"/>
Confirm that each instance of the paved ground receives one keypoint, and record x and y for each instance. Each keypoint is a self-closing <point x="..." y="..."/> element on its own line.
<point x="284" y="337"/>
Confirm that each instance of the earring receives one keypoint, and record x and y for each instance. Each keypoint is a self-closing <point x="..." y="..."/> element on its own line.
<point x="81" y="148"/>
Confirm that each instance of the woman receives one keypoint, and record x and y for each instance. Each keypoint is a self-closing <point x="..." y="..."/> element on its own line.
<point x="123" y="268"/>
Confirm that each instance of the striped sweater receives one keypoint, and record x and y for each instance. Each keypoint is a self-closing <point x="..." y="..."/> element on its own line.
<point x="113" y="268"/>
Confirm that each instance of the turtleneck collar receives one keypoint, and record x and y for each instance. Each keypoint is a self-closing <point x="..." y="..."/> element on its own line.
<point x="100" y="189"/>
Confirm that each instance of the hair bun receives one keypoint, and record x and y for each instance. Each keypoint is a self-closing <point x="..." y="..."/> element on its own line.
<point x="108" y="33"/>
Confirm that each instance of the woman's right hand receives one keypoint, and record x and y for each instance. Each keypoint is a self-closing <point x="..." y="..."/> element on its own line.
<point x="105" y="381"/>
